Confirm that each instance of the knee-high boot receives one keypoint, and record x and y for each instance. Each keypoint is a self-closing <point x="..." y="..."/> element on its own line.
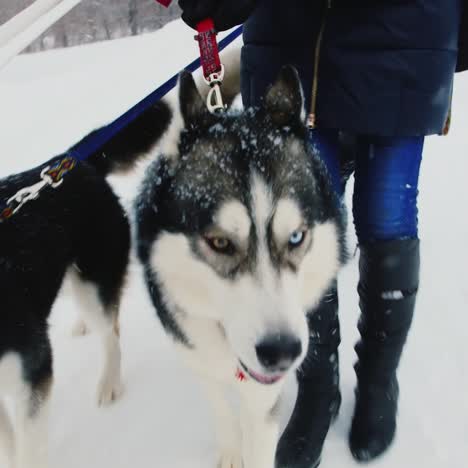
<point x="389" y="278"/>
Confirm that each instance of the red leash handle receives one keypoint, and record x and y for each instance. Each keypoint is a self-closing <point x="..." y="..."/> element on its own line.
<point x="208" y="45"/>
<point x="213" y="70"/>
<point x="209" y="54"/>
<point x="165" y="3"/>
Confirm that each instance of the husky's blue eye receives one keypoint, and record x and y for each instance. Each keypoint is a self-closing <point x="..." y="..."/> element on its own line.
<point x="296" y="239"/>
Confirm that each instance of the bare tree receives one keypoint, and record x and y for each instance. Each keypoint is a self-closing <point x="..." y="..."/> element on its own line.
<point x="95" y="20"/>
<point x="133" y="16"/>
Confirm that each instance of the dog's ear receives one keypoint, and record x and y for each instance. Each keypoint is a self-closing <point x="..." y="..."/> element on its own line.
<point x="192" y="107"/>
<point x="284" y="100"/>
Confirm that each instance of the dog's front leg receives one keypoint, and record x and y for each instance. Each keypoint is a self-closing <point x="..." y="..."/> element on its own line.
<point x="260" y="431"/>
<point x="226" y="425"/>
<point x="32" y="428"/>
<point x="7" y="442"/>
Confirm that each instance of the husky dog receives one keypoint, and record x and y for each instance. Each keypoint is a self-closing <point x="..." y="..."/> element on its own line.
<point x="240" y="235"/>
<point x="79" y="228"/>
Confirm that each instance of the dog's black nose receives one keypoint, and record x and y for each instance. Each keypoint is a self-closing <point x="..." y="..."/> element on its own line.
<point x="277" y="352"/>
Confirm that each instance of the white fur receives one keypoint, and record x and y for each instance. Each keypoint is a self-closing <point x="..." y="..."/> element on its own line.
<point x="320" y="266"/>
<point x="105" y="323"/>
<point x="80" y="328"/>
<point x="12" y="384"/>
<point x="262" y="211"/>
<point x="7" y="440"/>
<point x="29" y="448"/>
<point x="287" y="219"/>
<point x="233" y="218"/>
<point x="31" y="433"/>
<point x="227" y="427"/>
<point x="11" y="375"/>
<point x="187" y="282"/>
<point x="260" y="427"/>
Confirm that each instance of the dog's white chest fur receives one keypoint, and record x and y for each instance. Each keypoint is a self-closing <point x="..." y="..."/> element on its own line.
<point x="209" y="353"/>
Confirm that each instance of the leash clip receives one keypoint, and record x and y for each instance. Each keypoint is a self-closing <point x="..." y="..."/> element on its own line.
<point x="27" y="194"/>
<point x="214" y="99"/>
<point x="50" y="177"/>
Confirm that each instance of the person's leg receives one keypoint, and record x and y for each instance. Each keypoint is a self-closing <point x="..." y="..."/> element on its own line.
<point x="386" y="188"/>
<point x="319" y="398"/>
<point x="326" y="145"/>
<point x="385" y="217"/>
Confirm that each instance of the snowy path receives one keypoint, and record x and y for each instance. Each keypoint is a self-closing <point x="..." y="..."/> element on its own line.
<point x="48" y="101"/>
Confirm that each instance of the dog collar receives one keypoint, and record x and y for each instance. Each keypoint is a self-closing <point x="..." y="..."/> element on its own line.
<point x="240" y="375"/>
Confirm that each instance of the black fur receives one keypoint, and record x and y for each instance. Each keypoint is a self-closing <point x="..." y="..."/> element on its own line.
<point x="80" y="223"/>
<point x="132" y="142"/>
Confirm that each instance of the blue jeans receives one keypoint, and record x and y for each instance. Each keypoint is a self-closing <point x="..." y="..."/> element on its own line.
<point x="386" y="172"/>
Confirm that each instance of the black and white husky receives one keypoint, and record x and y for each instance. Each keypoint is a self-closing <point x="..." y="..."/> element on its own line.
<point x="240" y="235"/>
<point x="78" y="228"/>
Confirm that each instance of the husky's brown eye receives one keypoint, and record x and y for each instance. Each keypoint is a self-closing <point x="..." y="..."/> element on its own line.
<point x="220" y="245"/>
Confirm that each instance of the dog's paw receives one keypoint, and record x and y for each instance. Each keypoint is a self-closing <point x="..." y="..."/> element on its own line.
<point x="80" y="328"/>
<point x="110" y="389"/>
<point x="230" y="459"/>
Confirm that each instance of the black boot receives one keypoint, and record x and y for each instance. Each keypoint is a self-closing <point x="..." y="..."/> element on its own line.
<point x="389" y="277"/>
<point x="318" y="398"/>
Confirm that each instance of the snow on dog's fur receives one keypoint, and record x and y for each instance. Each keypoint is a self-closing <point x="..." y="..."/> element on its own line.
<point x="240" y="235"/>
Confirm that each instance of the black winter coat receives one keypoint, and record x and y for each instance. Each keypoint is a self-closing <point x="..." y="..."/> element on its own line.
<point x="378" y="67"/>
<point x="463" y="40"/>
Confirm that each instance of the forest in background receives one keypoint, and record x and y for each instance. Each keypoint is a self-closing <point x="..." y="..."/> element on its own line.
<point x="96" y="20"/>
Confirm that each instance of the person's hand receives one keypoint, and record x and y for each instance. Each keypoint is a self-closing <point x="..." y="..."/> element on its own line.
<point x="224" y="13"/>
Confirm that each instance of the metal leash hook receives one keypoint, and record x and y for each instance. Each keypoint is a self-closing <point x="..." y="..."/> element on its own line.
<point x="214" y="99"/>
<point x="27" y="194"/>
<point x="50" y="177"/>
<point x="213" y="70"/>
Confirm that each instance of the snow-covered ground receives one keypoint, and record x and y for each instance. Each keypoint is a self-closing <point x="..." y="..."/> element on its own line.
<point x="47" y="102"/>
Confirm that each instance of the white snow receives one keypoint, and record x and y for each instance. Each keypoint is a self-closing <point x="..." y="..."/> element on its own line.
<point x="47" y="102"/>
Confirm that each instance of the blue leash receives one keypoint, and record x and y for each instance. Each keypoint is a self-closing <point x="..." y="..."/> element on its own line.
<point x="53" y="176"/>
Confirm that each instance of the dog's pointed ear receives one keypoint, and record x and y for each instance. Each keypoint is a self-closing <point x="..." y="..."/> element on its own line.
<point x="191" y="103"/>
<point x="284" y="100"/>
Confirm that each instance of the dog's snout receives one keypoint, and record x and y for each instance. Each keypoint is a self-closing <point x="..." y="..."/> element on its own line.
<point x="277" y="353"/>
